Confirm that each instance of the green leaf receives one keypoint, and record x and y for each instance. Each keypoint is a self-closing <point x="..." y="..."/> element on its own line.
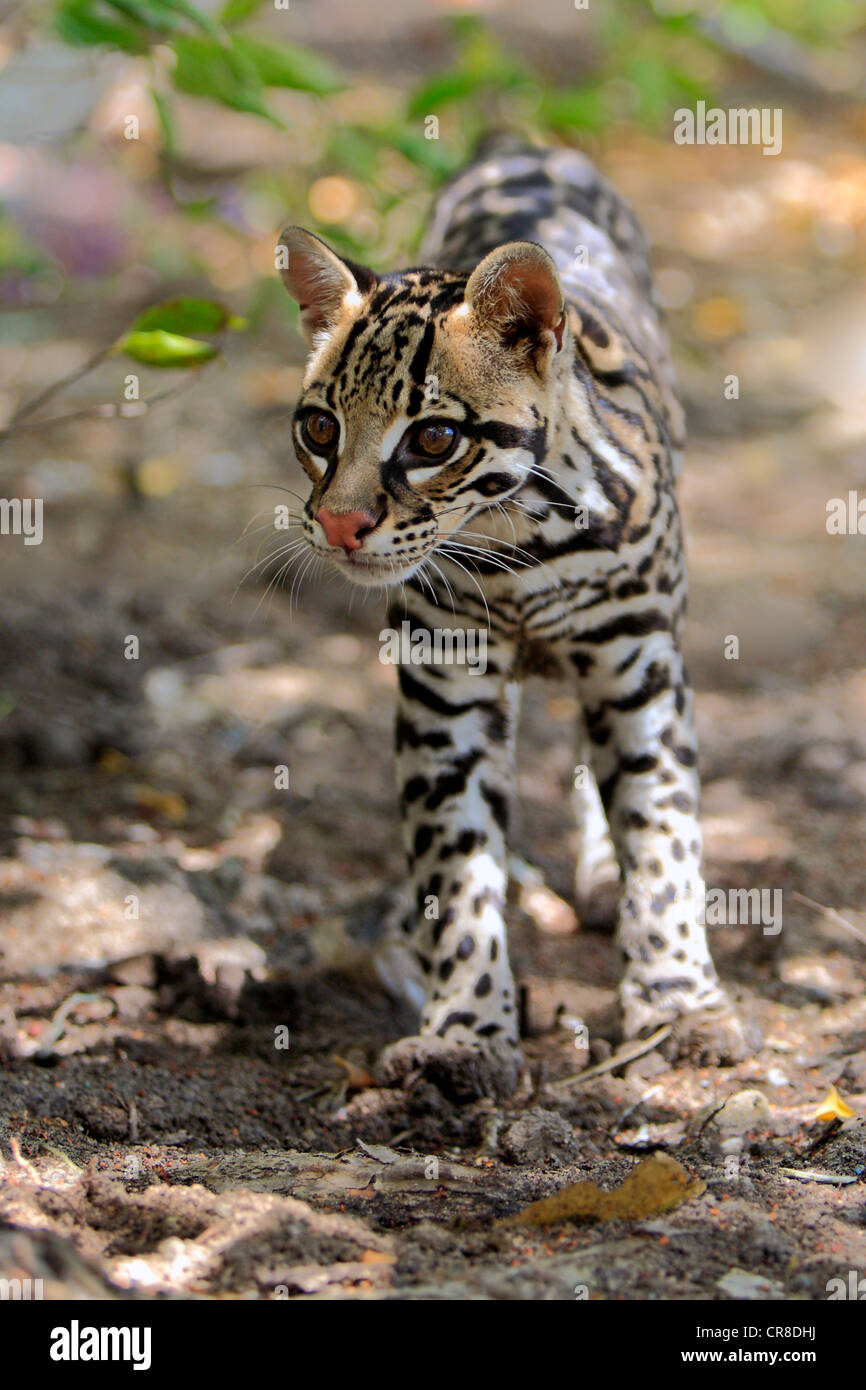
<point x="184" y="316"/>
<point x="236" y="11"/>
<point x="287" y="65"/>
<point x="206" y="68"/>
<point x="78" y="24"/>
<point x="155" y="19"/>
<point x="439" y="90"/>
<point x="583" y="109"/>
<point x="432" y="155"/>
<point x="160" y="349"/>
<point x="198" y="17"/>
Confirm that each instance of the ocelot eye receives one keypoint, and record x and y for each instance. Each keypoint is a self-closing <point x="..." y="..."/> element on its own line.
<point x="434" y="439"/>
<point x="319" y="431"/>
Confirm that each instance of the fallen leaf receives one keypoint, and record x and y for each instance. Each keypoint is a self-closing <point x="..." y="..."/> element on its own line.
<point x="657" y="1184"/>
<point x="833" y="1107"/>
<point x="380" y="1152"/>
<point x="357" y="1078"/>
<point x="161" y="803"/>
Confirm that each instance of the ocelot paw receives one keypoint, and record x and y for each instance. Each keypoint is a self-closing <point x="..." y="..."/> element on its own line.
<point x="715" y="1037"/>
<point x="705" y="1031"/>
<point x="463" y="1069"/>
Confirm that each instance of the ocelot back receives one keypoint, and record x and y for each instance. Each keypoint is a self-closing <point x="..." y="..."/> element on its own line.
<point x="497" y="434"/>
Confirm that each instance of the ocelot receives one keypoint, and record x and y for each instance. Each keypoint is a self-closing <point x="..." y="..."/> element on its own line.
<point x="497" y="435"/>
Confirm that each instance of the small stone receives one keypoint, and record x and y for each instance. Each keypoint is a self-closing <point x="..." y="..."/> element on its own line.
<point x="134" y="970"/>
<point x="134" y="1002"/>
<point x="743" y="1111"/>
<point x="536" y="1136"/>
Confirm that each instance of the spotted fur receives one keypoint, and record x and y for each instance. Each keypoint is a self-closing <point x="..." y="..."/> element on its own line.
<point x="554" y="526"/>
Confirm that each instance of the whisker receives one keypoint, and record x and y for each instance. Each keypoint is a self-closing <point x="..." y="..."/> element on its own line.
<point x="462" y="567"/>
<point x="277" y="487"/>
<point x="490" y="557"/>
<point x="297" y="544"/>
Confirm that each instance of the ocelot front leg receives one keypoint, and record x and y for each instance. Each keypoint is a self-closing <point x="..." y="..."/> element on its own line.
<point x="455" y="737"/>
<point x="597" y="880"/>
<point x="638" y="711"/>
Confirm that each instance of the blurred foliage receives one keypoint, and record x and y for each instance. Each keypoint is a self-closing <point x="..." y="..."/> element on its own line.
<point x="210" y="59"/>
<point x="372" y="165"/>
<point x="648" y="55"/>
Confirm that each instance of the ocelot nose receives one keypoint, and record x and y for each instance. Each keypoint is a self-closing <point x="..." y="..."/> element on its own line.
<point x="346" y="529"/>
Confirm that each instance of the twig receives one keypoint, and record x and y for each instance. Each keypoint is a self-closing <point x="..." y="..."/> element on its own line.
<point x="35" y="402"/>
<point x="126" y="410"/>
<point x="629" y="1052"/>
<point x="831" y="913"/>
<point x="783" y="56"/>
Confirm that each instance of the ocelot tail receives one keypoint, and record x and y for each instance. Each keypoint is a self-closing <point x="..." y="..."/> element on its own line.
<point x="497" y="435"/>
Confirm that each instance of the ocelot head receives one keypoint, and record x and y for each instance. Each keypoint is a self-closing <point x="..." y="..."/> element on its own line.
<point x="426" y="397"/>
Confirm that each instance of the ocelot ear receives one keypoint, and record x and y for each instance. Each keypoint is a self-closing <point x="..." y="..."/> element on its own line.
<point x="515" y="292"/>
<point x="318" y="280"/>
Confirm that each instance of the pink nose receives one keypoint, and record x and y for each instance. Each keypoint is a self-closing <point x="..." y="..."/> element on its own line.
<point x="346" y="529"/>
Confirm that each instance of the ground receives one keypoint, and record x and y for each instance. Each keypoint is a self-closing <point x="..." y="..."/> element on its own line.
<point x="193" y="997"/>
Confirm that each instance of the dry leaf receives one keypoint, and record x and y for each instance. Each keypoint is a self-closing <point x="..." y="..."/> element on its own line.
<point x="357" y="1078"/>
<point x="833" y="1107"/>
<point x="657" y="1184"/>
<point x="380" y="1152"/>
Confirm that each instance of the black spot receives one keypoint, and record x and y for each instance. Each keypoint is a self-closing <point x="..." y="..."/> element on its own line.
<point x="484" y="986"/>
<point x="415" y="787"/>
<point x="467" y="1019"/>
<point x="491" y="484"/>
<point x="465" y="947"/>
<point x="498" y="805"/>
<point x="423" y="839"/>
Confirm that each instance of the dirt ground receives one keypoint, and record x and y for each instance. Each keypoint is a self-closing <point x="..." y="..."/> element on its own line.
<point x="192" y="996"/>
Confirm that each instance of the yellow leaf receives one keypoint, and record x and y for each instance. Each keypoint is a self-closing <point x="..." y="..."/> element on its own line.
<point x="833" y="1107"/>
<point x="167" y="804"/>
<point x="657" y="1184"/>
<point x="357" y="1078"/>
